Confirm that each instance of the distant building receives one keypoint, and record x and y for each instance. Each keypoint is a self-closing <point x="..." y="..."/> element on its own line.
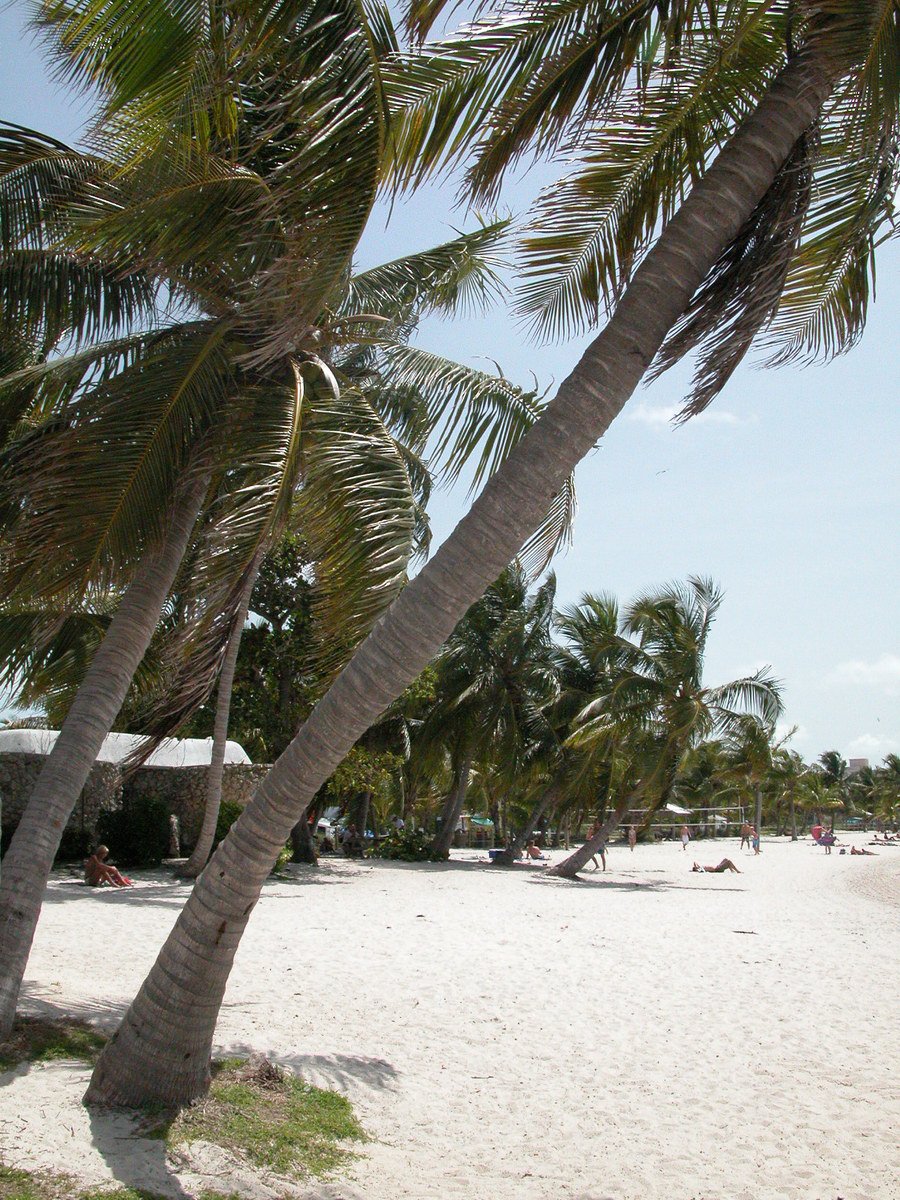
<point x="855" y="765"/>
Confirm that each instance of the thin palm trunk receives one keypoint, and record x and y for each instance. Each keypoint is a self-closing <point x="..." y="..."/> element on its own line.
<point x="757" y="812"/>
<point x="793" y="820"/>
<point x="162" y="1049"/>
<point x="28" y="860"/>
<point x="452" y="810"/>
<point x="548" y="797"/>
<point x="201" y="851"/>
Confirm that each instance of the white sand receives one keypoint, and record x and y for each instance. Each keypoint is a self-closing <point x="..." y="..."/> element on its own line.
<point x="644" y="1035"/>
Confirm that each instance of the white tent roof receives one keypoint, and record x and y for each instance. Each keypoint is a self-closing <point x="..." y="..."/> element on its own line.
<point x="675" y="808"/>
<point x="173" y="752"/>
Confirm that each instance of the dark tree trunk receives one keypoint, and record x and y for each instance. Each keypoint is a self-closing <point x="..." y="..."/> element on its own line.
<point x="303" y="843"/>
<point x="453" y="807"/>
<point x="547" y="799"/>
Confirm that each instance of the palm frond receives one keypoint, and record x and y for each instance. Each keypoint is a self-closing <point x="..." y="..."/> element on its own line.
<point x="636" y="163"/>
<point x="459" y="276"/>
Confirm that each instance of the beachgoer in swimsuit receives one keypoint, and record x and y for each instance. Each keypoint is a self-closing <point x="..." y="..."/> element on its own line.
<point x="97" y="871"/>
<point x="725" y="865"/>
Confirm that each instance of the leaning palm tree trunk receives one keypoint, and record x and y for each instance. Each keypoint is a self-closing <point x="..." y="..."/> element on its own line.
<point x="201" y="851"/>
<point x="29" y="858"/>
<point x="162" y="1049"/>
<point x="569" y="867"/>
<point x="452" y="810"/>
<point x="547" y="799"/>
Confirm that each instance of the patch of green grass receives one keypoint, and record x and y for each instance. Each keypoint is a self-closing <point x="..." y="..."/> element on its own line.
<point x="36" y="1040"/>
<point x="23" y="1185"/>
<point x="276" y="1120"/>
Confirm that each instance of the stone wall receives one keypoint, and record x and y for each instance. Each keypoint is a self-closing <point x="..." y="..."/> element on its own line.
<point x="181" y="789"/>
<point x="102" y="792"/>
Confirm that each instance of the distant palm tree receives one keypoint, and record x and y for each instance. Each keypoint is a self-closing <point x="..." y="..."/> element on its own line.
<point x="834" y="777"/>
<point x="656" y="691"/>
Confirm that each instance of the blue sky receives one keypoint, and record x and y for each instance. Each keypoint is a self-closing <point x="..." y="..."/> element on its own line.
<point x="786" y="491"/>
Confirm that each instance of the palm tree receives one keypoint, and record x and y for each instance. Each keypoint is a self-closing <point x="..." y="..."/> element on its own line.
<point x="162" y="1048"/>
<point x="494" y="680"/>
<point x="834" y="777"/>
<point x="213" y="218"/>
<point x="654" y="663"/>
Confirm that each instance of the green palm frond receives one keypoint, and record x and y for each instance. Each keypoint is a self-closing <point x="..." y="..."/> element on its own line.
<point x="586" y="234"/>
<point x="553" y="534"/>
<point x="119" y="454"/>
<point x="469" y="412"/>
<point x="461" y="275"/>
<point x="445" y="97"/>
<point x="357" y="515"/>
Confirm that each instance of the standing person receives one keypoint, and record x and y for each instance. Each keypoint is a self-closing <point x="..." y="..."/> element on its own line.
<point x="601" y="849"/>
<point x="754" y="839"/>
<point x="632" y="837"/>
<point x="745" y="835"/>
<point x="685" y="837"/>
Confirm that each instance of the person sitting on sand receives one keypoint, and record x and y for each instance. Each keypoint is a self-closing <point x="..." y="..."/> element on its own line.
<point x="725" y="865"/>
<point x="98" y="872"/>
<point x="533" y="850"/>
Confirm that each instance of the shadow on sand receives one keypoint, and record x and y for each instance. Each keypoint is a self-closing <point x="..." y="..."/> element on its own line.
<point x="338" y="1072"/>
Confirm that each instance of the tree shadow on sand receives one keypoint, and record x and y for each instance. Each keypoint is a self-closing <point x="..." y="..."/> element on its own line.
<point x="134" y="1160"/>
<point x="627" y="885"/>
<point x="335" y="1072"/>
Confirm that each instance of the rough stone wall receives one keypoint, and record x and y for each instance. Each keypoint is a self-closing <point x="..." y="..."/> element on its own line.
<point x="18" y="773"/>
<point x="183" y="791"/>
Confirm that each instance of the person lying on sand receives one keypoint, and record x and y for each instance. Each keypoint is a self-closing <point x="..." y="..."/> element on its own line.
<point x="725" y="865"/>
<point x="98" y="872"/>
<point x="870" y="853"/>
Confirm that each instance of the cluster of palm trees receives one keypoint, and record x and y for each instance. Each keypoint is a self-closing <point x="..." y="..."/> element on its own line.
<point x="190" y="367"/>
<point x="591" y="725"/>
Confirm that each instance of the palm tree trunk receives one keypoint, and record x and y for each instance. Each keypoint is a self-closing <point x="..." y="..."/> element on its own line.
<point x="303" y="843"/>
<point x="758" y="811"/>
<point x="162" y="1049"/>
<point x="453" y="807"/>
<point x="569" y="867"/>
<point x="547" y="798"/>
<point x="793" y="820"/>
<point x="28" y="860"/>
<point x="201" y="851"/>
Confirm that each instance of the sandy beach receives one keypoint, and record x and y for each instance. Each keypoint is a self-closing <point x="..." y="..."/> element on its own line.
<point x="647" y="1034"/>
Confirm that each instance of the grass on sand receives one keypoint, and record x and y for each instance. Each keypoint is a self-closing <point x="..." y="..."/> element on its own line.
<point x="36" y="1040"/>
<point x="22" y="1185"/>
<point x="272" y="1118"/>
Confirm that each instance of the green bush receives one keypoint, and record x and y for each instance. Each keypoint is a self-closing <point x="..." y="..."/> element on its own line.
<point x="74" y="846"/>
<point x="229" y="812"/>
<point x="407" y="845"/>
<point x="137" y="835"/>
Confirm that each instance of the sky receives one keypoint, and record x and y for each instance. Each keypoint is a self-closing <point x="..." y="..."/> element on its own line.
<point x="786" y="491"/>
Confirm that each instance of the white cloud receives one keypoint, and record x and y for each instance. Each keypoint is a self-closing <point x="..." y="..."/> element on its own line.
<point x="659" y="415"/>
<point x="870" y="746"/>
<point x="883" y="673"/>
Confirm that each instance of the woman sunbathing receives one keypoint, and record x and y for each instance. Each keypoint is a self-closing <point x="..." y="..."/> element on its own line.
<point x="725" y="865"/>
<point x="97" y="871"/>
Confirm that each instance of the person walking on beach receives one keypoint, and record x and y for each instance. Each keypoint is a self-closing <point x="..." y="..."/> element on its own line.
<point x="745" y="835"/>
<point x="632" y="837"/>
<point x="685" y="837"/>
<point x="754" y="839"/>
